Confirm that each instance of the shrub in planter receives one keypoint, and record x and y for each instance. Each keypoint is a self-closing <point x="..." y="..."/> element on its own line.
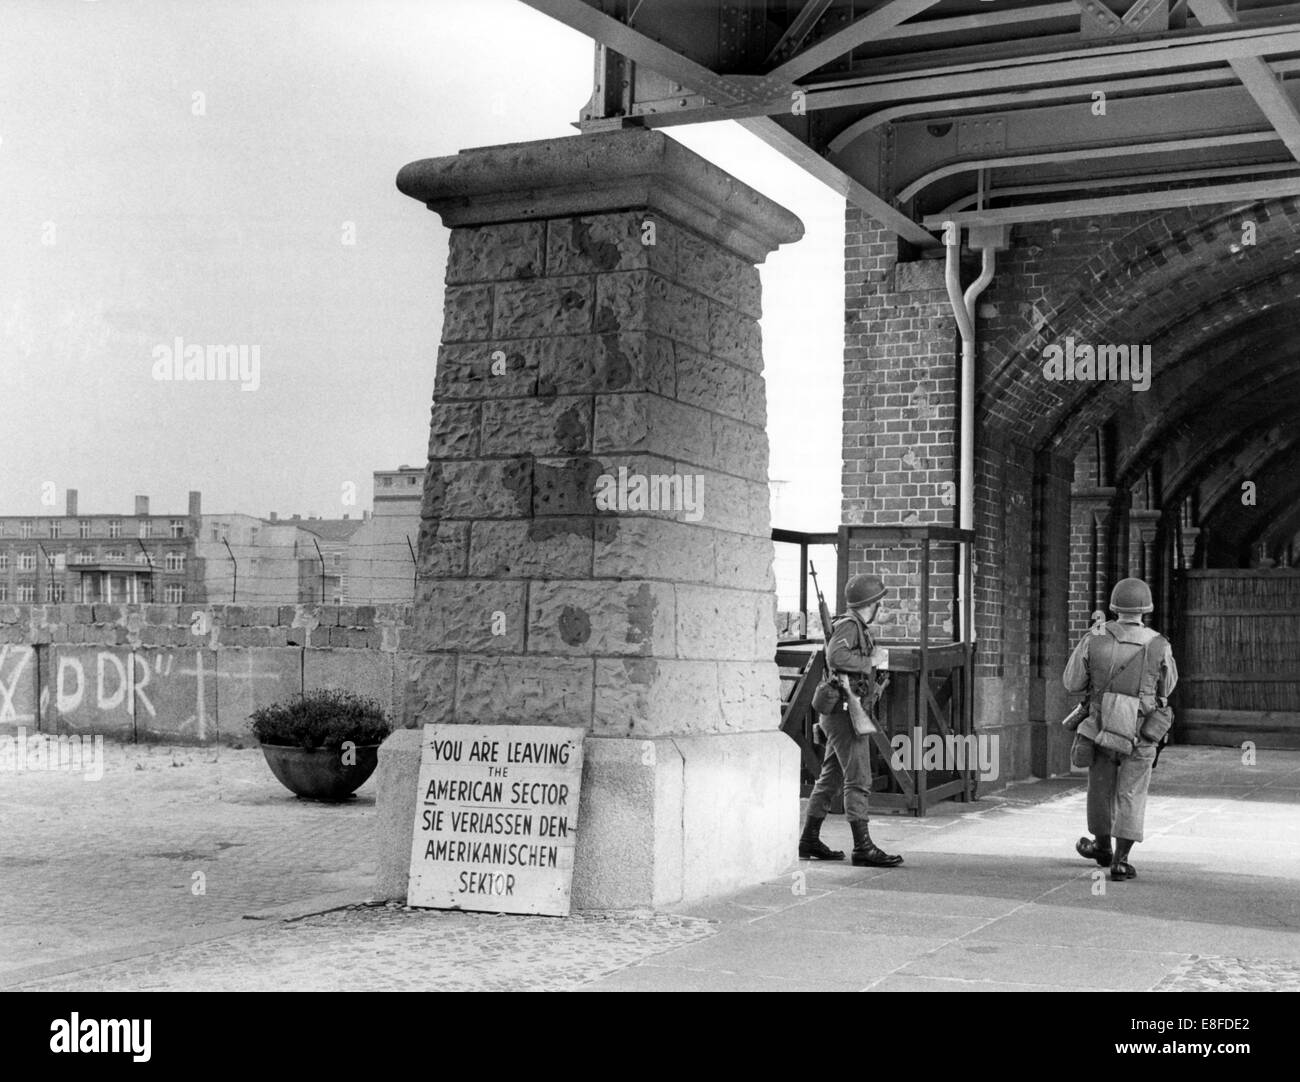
<point x="322" y="745"/>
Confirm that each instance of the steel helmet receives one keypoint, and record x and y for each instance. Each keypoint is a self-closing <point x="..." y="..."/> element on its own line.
<point x="863" y="590"/>
<point x="1131" y="595"/>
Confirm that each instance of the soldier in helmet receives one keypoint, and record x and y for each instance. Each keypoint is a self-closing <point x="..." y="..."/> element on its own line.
<point x="847" y="763"/>
<point x="1128" y="671"/>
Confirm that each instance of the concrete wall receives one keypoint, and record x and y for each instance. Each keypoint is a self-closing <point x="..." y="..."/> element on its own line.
<point x="189" y="674"/>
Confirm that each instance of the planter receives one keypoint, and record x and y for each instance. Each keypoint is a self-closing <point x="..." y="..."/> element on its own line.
<point x="320" y="773"/>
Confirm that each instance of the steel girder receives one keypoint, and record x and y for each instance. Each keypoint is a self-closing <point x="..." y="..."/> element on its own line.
<point x="986" y="112"/>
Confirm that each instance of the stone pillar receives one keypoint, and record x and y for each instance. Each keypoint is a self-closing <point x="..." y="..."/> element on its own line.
<point x="595" y="548"/>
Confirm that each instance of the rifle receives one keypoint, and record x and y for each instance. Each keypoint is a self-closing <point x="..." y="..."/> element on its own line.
<point x="862" y="722"/>
<point x="822" y="610"/>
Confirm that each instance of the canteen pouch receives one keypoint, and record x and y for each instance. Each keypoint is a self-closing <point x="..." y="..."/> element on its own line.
<point x="826" y="699"/>
<point x="1081" y="751"/>
<point x="1157" y="724"/>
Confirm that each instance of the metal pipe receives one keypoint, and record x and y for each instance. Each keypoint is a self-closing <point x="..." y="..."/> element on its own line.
<point x="963" y="307"/>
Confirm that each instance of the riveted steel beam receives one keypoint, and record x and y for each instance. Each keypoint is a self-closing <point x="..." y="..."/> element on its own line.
<point x="1256" y="76"/>
<point x="1168" y="146"/>
<point x="1123" y="204"/>
<point x="859" y="32"/>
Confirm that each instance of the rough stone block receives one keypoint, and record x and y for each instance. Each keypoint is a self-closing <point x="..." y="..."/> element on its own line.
<point x="454" y="430"/>
<point x="611" y="363"/>
<point x="467" y="315"/>
<point x="466" y="371"/>
<point x="745" y="562"/>
<point x="531" y="548"/>
<point x="601" y="617"/>
<point x="610" y="242"/>
<point x="493" y="253"/>
<point x="749" y="696"/>
<point x="735" y="337"/>
<point x="494" y="488"/>
<point x="649" y="424"/>
<point x="735" y="504"/>
<point x="486" y="616"/>
<point x="442" y="548"/>
<point x="630" y="547"/>
<point x="721" y="624"/>
<point x="655" y="696"/>
<point x="564" y="486"/>
<point x="713" y="384"/>
<point x="922" y="275"/>
<point x="708" y="269"/>
<point x="247" y="680"/>
<point x="643" y="301"/>
<point x="740" y="449"/>
<point x="537" y="426"/>
<point x="428" y="690"/>
<point x="546" y="306"/>
<point x="523" y="690"/>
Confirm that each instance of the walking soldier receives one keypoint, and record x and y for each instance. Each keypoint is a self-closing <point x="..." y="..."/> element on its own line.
<point x="1128" y="671"/>
<point x="846" y="766"/>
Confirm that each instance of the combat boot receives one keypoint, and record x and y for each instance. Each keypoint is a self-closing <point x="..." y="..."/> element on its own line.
<point x="811" y="847"/>
<point x="865" y="851"/>
<point x="1120" y="868"/>
<point x="1094" y="850"/>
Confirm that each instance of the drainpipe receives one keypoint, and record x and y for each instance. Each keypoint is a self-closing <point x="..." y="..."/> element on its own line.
<point x="963" y="306"/>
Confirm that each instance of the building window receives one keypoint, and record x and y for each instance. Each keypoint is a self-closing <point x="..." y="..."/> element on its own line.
<point x="177" y="527"/>
<point x="146" y="527"/>
<point x="54" y="591"/>
<point x="115" y="527"/>
<point x="4" y="591"/>
<point x="27" y="561"/>
<point x="85" y="557"/>
<point x="143" y="558"/>
<point x="338" y="559"/>
<point x="4" y="561"/>
<point x="174" y="593"/>
<point x="411" y="480"/>
<point x="55" y="527"/>
<point x="252" y="536"/>
<point x="26" y="528"/>
<point x="175" y="561"/>
<point x="26" y="592"/>
<point x="115" y="556"/>
<point x="83" y="528"/>
<point x="385" y="482"/>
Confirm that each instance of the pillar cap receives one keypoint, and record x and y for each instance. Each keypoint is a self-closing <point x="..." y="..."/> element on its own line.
<point x="598" y="173"/>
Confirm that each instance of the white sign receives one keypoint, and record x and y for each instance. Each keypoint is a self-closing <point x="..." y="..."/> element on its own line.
<point x="496" y="817"/>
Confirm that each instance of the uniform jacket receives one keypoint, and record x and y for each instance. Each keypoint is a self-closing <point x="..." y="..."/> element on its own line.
<point x="849" y="651"/>
<point x="1097" y="655"/>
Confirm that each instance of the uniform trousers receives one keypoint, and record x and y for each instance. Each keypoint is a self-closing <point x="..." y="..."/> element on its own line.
<point x="1117" y="791"/>
<point x="846" y="765"/>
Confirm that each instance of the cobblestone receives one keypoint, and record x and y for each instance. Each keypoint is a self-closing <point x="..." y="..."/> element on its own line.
<point x="100" y="865"/>
<point x="391" y="948"/>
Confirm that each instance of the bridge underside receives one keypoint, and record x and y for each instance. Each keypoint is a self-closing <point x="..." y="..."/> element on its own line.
<point x="1119" y="181"/>
<point x="1133" y="166"/>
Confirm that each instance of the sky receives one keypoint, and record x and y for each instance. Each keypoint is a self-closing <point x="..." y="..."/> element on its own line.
<point x="223" y="173"/>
